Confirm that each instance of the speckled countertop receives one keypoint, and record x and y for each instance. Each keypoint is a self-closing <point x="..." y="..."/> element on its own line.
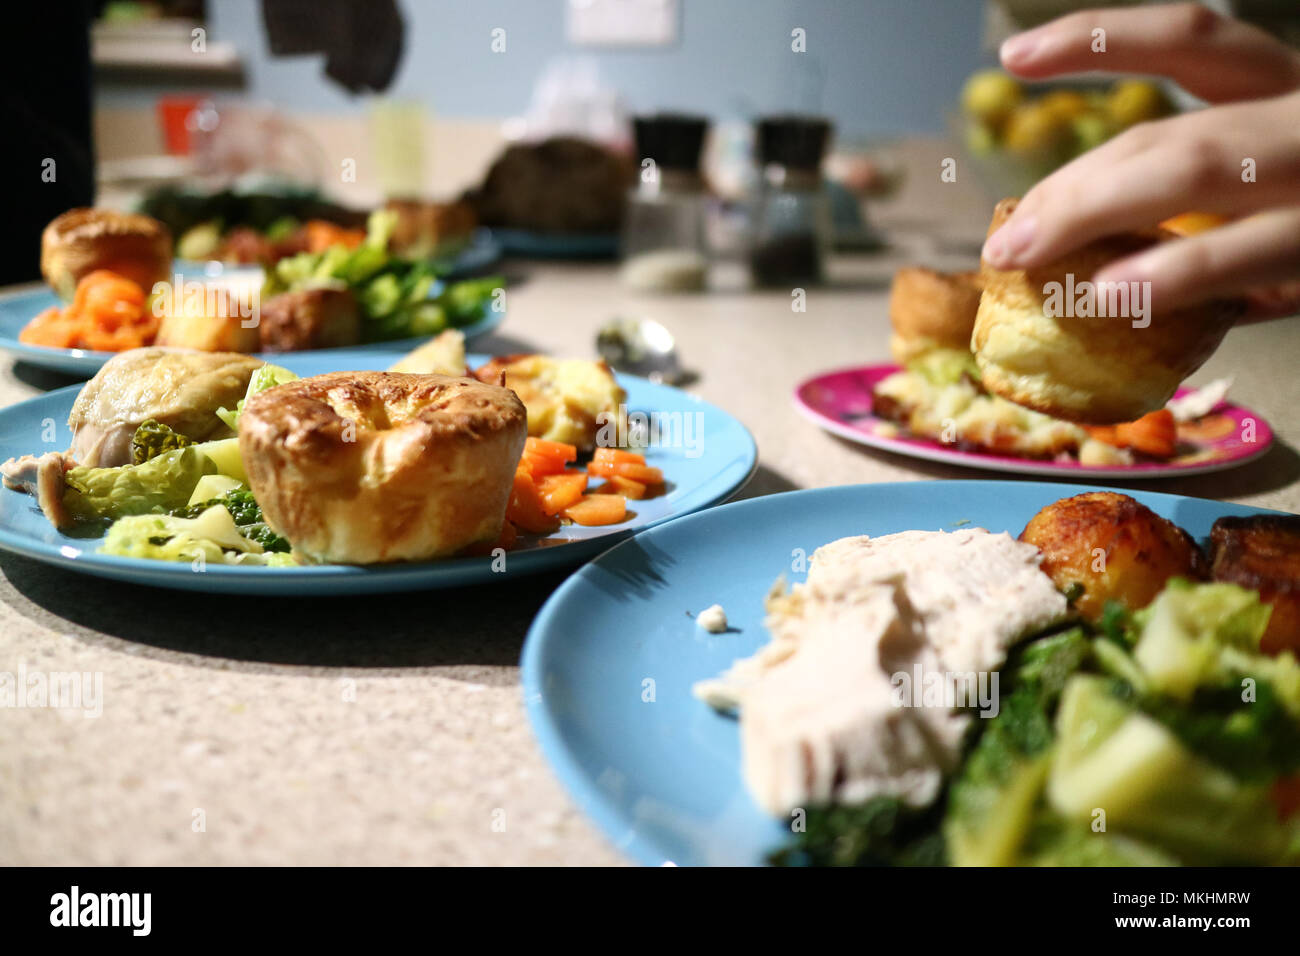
<point x="384" y="730"/>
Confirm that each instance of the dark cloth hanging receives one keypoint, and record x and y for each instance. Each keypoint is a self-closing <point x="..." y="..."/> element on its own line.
<point x="362" y="42"/>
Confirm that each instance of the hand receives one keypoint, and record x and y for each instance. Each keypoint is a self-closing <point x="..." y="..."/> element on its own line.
<point x="1190" y="162"/>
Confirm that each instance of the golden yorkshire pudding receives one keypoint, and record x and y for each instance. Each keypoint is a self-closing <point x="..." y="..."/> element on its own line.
<point x="82" y="240"/>
<point x="1097" y="369"/>
<point x="369" y="467"/>
<point x="931" y="310"/>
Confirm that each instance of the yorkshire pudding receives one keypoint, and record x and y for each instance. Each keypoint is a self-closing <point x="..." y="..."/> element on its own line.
<point x="1036" y="347"/>
<point x="82" y="240"/>
<point x="931" y="310"/>
<point x="370" y="467"/>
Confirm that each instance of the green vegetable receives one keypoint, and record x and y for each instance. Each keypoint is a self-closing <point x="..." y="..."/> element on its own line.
<point x="1052" y="841"/>
<point x="152" y="438"/>
<point x="200" y="242"/>
<point x="1255" y="740"/>
<point x="1118" y="765"/>
<point x="246" y="513"/>
<point x="268" y="376"/>
<point x="158" y="485"/>
<point x="213" y="486"/>
<point x="224" y="453"/>
<point x="210" y="538"/>
<point x="393" y="293"/>
<point x="881" y="832"/>
<point x="945" y="366"/>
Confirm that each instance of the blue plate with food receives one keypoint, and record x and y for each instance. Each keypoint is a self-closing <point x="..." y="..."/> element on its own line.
<point x="113" y="286"/>
<point x="357" y="471"/>
<point x="980" y="673"/>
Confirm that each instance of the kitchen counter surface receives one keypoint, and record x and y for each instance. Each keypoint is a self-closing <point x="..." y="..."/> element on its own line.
<point x="384" y="730"/>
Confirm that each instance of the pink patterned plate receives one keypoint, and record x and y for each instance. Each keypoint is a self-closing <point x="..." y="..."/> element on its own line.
<point x="840" y="402"/>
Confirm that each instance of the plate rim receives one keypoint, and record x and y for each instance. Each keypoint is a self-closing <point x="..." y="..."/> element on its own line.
<point x="563" y="762"/>
<point x="1028" y="466"/>
<point x="346" y="579"/>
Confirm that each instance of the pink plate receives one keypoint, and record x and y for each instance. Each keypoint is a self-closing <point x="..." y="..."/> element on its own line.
<point x="840" y="402"/>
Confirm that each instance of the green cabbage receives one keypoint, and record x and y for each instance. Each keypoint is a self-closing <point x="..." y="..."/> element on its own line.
<point x="268" y="376"/>
<point x="155" y="486"/>
<point x="211" y="537"/>
<point x="152" y="438"/>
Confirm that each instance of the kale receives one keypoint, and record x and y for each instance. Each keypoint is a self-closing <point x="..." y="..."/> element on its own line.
<point x="881" y="832"/>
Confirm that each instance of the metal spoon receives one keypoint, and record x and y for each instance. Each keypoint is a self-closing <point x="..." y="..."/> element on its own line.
<point x="640" y="347"/>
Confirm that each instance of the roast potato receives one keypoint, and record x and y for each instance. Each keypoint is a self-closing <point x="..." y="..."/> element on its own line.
<point x="310" y="319"/>
<point x="209" y="322"/>
<point x="1262" y="553"/>
<point x="1113" y="548"/>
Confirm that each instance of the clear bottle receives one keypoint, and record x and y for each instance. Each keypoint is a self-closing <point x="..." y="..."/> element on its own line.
<point x="664" y="236"/>
<point x="793" y="229"/>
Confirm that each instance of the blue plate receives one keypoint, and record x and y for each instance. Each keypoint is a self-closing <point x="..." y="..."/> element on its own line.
<point x="527" y="244"/>
<point x="17" y="309"/>
<point x="662" y="778"/>
<point x="725" y="460"/>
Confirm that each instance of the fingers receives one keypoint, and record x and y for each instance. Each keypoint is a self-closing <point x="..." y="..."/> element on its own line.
<point x="1213" y="57"/>
<point x="1225" y="262"/>
<point x="1154" y="171"/>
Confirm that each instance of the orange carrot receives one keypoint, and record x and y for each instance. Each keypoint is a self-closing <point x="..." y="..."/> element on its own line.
<point x="597" y="510"/>
<point x="618" y="455"/>
<point x="526" y="510"/>
<point x="540" y="448"/>
<point x="540" y="467"/>
<point x="1155" y="434"/>
<point x="560" y="491"/>
<point x="626" y="487"/>
<point x="108" y="313"/>
<point x="642" y="473"/>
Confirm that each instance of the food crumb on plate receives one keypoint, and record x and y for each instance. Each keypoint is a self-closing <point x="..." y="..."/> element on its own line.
<point x="713" y="619"/>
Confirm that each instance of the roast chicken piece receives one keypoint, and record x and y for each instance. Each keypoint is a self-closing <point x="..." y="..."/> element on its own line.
<point x="180" y="389"/>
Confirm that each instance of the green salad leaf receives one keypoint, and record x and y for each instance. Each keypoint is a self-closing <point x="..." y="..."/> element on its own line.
<point x="247" y="515"/>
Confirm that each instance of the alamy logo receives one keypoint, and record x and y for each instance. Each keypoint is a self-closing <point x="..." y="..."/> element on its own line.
<point x="102" y="909"/>
<point x="1085" y="300"/>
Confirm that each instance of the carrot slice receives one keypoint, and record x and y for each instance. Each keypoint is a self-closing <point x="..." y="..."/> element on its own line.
<point x="597" y="510"/>
<point x="1155" y="434"/>
<point x="541" y="448"/>
<point x="560" y="491"/>
<point x="540" y="467"/>
<point x="627" y="487"/>
<point x="525" y="509"/>
<point x="617" y="455"/>
<point x="642" y="473"/>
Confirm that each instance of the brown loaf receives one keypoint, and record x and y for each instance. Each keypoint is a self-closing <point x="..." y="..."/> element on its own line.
<point x="82" y="240"/>
<point x="368" y="467"/>
<point x="1098" y="370"/>
<point x="930" y="310"/>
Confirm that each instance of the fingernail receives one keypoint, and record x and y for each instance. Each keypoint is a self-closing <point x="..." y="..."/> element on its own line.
<point x="1019" y="48"/>
<point x="1010" y="241"/>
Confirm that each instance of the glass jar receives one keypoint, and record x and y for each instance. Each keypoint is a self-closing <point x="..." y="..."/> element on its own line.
<point x="664" y="227"/>
<point x="792" y="224"/>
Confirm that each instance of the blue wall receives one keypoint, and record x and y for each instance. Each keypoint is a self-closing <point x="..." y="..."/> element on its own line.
<point x="876" y="66"/>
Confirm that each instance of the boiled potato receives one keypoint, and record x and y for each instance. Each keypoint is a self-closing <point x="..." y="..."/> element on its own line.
<point x="1113" y="548"/>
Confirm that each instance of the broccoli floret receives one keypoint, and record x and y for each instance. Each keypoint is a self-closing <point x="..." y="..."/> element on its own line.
<point x="152" y="438"/>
